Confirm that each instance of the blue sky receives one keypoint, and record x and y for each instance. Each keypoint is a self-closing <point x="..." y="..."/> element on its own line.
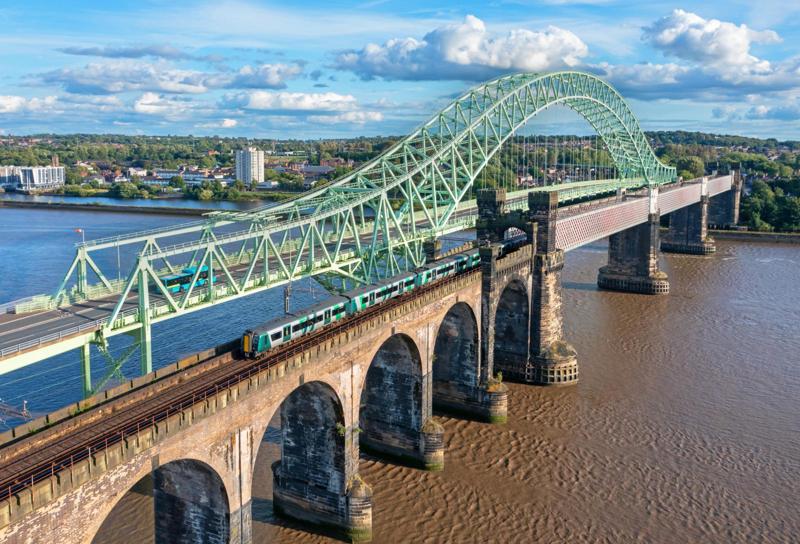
<point x="335" y="68"/>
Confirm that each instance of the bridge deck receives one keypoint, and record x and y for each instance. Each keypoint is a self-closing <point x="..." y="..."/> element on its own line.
<point x="26" y="338"/>
<point x="36" y="457"/>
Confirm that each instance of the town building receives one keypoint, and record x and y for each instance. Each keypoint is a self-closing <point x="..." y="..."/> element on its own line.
<point x="9" y="176"/>
<point x="250" y="165"/>
<point x="33" y="178"/>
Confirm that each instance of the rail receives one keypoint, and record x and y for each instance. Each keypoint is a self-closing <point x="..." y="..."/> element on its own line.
<point x="203" y="392"/>
<point x="141" y="234"/>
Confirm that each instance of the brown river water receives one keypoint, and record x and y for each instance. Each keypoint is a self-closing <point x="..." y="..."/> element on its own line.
<point x="685" y="426"/>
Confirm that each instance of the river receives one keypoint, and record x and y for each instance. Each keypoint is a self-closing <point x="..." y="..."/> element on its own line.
<point x="146" y="202"/>
<point x="684" y="427"/>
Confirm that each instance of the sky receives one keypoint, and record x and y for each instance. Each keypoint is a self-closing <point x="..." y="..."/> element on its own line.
<point x="321" y="69"/>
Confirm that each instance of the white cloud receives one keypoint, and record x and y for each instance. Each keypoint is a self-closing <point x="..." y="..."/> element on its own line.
<point x="718" y="46"/>
<point x="285" y="101"/>
<point x="155" y="104"/>
<point x="224" y="123"/>
<point x="264" y="76"/>
<point x="10" y="104"/>
<point x="354" y="117"/>
<point x="784" y="112"/>
<point x="123" y="75"/>
<point x="14" y="104"/>
<point x="718" y="64"/>
<point x="466" y="51"/>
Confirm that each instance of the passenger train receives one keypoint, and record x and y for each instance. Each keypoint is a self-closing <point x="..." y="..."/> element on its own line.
<point x="283" y="329"/>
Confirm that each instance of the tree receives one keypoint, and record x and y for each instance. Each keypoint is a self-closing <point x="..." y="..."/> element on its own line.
<point x="177" y="182"/>
<point x="125" y="190"/>
<point x="690" y="167"/>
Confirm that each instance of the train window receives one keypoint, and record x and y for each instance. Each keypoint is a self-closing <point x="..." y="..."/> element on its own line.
<point x="339" y="310"/>
<point x="298" y="326"/>
<point x="276" y="335"/>
<point x="372" y="297"/>
<point x="409" y="281"/>
<point x="318" y="318"/>
<point x="327" y="314"/>
<point x="287" y="330"/>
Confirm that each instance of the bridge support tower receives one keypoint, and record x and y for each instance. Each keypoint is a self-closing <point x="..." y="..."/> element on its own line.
<point x="688" y="228"/>
<point x="723" y="210"/>
<point x="522" y="322"/>
<point x="552" y="360"/>
<point x="633" y="257"/>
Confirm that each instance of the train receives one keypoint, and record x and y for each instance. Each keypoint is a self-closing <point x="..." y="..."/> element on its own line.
<point x="256" y="341"/>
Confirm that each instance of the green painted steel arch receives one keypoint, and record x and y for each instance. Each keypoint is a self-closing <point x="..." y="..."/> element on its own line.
<point x="419" y="188"/>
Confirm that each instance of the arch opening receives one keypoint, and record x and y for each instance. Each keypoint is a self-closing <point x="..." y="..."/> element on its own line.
<point x="391" y="413"/>
<point x="511" y="325"/>
<point x="300" y="469"/>
<point x="455" y="359"/>
<point x="182" y="502"/>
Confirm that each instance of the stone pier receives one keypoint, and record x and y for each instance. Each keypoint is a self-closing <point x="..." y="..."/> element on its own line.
<point x="316" y="480"/>
<point x="552" y="361"/>
<point x="522" y="314"/>
<point x="723" y="210"/>
<point x="688" y="228"/>
<point x="633" y="258"/>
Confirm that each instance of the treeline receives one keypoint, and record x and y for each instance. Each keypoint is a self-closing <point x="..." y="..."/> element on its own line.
<point x="772" y="207"/>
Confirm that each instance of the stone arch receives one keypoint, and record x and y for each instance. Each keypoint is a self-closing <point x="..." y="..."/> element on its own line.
<point x="186" y="499"/>
<point x="455" y="356"/>
<point x="310" y="476"/>
<point x="391" y="413"/>
<point x="512" y="329"/>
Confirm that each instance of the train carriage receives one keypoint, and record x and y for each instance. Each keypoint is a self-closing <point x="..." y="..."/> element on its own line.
<point x="288" y="327"/>
<point x="291" y="326"/>
<point x="436" y="270"/>
<point x="370" y="295"/>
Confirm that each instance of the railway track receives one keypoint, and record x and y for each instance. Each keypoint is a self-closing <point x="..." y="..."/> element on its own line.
<point x="25" y="471"/>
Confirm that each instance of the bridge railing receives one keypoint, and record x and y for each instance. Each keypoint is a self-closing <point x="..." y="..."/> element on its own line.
<point x="66" y="333"/>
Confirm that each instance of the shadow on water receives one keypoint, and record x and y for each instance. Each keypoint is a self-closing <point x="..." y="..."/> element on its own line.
<point x="263" y="511"/>
<point x="578" y="286"/>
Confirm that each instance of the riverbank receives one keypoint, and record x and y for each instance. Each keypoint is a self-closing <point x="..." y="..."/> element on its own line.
<point x="92" y="207"/>
<point x="753" y="236"/>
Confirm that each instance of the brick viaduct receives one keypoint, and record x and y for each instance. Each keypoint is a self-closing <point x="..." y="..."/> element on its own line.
<point x="372" y="386"/>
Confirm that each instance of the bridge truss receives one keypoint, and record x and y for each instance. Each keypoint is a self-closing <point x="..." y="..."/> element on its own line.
<point x="369" y="224"/>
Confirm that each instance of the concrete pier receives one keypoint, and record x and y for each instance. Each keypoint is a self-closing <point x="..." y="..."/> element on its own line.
<point x="688" y="228"/>
<point x="633" y="258"/>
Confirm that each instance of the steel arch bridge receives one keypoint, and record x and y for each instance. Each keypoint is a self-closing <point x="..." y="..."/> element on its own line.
<point x="369" y="224"/>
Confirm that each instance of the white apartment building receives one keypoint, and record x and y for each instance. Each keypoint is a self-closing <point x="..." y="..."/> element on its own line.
<point x="250" y="165"/>
<point x="40" y="177"/>
<point x="9" y="176"/>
